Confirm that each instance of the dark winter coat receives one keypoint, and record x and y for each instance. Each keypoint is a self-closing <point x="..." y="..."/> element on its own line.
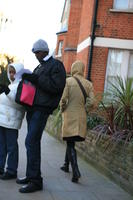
<point x="51" y="82"/>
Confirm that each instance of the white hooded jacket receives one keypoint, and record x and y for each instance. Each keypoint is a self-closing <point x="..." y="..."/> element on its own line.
<point x="11" y="113"/>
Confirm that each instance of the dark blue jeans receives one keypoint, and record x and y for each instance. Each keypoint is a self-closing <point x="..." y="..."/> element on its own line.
<point x="9" y="149"/>
<point x="36" y="122"/>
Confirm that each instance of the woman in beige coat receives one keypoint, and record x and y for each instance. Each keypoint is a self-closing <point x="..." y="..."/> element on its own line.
<point x="74" y="116"/>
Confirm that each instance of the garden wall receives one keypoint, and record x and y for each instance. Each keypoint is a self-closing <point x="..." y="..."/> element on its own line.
<point x="114" y="160"/>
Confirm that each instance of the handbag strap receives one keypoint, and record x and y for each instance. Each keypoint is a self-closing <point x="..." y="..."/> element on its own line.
<point x="81" y="87"/>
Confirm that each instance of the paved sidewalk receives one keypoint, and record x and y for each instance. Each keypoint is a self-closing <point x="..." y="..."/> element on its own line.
<point x="57" y="184"/>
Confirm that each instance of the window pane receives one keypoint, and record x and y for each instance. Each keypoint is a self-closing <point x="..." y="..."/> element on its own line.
<point x="114" y="67"/>
<point x="114" y="64"/>
<point x="120" y="4"/>
<point x="60" y="48"/>
<point x="111" y="80"/>
<point x="130" y="69"/>
<point x="130" y="4"/>
<point x="64" y="21"/>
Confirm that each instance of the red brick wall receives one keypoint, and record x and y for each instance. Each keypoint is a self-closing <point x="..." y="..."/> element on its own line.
<point x="99" y="63"/>
<point x="99" y="68"/>
<point x="74" y="23"/>
<point x="86" y="19"/>
<point x="84" y="56"/>
<point x="113" y="24"/>
<point x="85" y="30"/>
<point x="69" y="58"/>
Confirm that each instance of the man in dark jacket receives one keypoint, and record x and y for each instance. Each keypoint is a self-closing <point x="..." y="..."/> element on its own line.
<point x="49" y="77"/>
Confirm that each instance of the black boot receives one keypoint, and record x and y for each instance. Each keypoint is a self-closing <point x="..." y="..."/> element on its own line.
<point x="65" y="167"/>
<point x="74" y="164"/>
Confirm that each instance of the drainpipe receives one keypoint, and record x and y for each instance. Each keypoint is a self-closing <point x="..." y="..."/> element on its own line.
<point x="94" y="23"/>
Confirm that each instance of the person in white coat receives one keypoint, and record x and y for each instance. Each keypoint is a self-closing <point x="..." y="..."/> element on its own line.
<point x="11" y="116"/>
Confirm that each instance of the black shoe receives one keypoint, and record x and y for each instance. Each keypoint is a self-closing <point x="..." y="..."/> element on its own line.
<point x="8" y="176"/>
<point x="23" y="180"/>
<point x="75" y="179"/>
<point x="30" y="187"/>
<point x="65" y="168"/>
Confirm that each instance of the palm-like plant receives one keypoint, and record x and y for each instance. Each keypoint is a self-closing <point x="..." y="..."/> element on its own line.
<point x="122" y="97"/>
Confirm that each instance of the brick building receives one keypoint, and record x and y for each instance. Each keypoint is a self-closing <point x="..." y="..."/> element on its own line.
<point x="100" y="33"/>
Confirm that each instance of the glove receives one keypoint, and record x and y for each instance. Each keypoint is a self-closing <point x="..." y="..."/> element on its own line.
<point x="4" y="88"/>
<point x="33" y="78"/>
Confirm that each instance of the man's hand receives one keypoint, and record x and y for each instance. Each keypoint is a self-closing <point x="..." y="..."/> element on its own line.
<point x="4" y="88"/>
<point x="33" y="78"/>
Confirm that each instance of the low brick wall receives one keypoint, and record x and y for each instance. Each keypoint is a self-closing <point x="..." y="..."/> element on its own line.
<point x="113" y="160"/>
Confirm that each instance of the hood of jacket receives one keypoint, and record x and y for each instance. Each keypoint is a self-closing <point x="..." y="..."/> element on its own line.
<point x="19" y="68"/>
<point x="77" y="68"/>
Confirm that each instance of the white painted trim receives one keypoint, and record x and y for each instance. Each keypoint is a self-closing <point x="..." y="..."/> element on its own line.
<point x="122" y="10"/>
<point x="83" y="44"/>
<point x="106" y="42"/>
<point x="113" y="43"/>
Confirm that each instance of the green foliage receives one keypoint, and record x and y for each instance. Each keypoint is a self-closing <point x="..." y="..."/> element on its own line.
<point x="117" y="104"/>
<point x="5" y="60"/>
<point x="93" y="120"/>
<point x="117" y="109"/>
<point x="57" y="118"/>
<point x="3" y="76"/>
<point x="123" y="101"/>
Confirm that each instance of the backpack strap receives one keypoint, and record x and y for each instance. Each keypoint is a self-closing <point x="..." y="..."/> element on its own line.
<point x="81" y="87"/>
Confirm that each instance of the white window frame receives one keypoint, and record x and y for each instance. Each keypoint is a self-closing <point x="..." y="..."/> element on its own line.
<point x="124" y="65"/>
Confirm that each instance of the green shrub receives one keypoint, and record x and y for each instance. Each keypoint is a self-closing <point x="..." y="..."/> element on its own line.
<point x="93" y="120"/>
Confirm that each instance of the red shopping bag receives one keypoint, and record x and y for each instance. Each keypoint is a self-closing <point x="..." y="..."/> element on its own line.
<point x="25" y="93"/>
